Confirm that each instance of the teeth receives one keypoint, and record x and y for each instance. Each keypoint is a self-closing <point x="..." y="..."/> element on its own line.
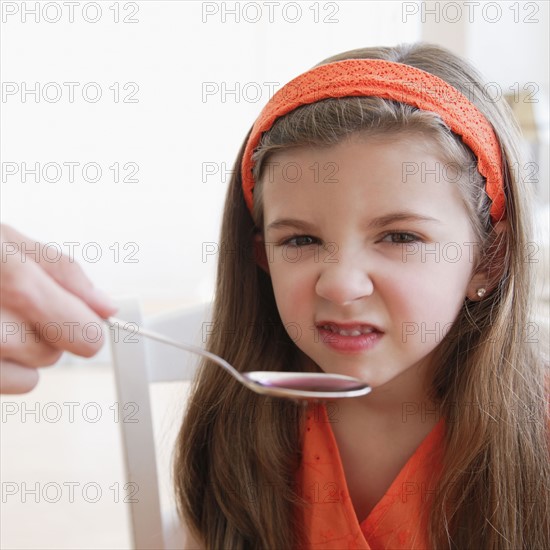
<point x="350" y="332"/>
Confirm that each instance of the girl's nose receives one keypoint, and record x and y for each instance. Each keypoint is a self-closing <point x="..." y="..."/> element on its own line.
<point x="344" y="282"/>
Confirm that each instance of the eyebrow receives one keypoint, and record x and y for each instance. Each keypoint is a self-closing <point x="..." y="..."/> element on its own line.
<point x="376" y="223"/>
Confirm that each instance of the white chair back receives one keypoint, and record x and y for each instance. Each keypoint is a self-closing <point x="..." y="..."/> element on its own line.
<point x="139" y="362"/>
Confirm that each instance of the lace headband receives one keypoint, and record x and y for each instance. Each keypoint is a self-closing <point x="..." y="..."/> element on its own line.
<point x="389" y="80"/>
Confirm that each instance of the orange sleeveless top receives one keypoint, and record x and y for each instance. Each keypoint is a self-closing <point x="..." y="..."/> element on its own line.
<point x="395" y="522"/>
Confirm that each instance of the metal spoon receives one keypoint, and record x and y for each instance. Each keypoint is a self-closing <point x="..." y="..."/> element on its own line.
<point x="293" y="385"/>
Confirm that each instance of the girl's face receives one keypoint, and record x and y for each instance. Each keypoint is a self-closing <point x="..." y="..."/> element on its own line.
<point x="370" y="253"/>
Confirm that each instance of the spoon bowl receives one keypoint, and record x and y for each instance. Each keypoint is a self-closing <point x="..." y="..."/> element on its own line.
<point x="305" y="385"/>
<point x="291" y="385"/>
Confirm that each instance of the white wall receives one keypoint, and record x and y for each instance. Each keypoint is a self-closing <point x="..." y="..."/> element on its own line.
<point x="173" y="52"/>
<point x="172" y="130"/>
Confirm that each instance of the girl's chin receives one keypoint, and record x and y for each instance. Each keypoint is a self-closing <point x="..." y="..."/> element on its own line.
<point x="376" y="380"/>
<point x="363" y="374"/>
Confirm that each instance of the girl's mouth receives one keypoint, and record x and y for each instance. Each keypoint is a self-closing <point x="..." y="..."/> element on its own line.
<point x="349" y="337"/>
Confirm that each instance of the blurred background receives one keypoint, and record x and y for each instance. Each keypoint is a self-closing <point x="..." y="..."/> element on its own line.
<point x="120" y="122"/>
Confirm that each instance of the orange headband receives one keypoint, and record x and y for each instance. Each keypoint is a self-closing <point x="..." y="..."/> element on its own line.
<point x="389" y="80"/>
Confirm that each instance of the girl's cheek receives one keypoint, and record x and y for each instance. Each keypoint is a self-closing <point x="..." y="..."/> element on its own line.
<point x="411" y="299"/>
<point x="293" y="287"/>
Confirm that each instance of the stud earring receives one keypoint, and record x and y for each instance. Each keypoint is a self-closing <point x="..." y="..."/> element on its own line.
<point x="481" y="292"/>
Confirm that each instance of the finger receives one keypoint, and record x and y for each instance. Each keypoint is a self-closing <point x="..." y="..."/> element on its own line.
<point x="23" y="343"/>
<point x="16" y="378"/>
<point x="63" y="269"/>
<point x="35" y="297"/>
<point x="71" y="277"/>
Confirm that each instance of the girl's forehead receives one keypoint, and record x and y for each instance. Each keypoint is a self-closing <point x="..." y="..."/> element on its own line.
<point x="405" y="155"/>
<point x="408" y="143"/>
<point x="361" y="178"/>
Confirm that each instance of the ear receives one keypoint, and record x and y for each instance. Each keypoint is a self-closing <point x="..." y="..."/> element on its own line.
<point x="259" y="252"/>
<point x="491" y="268"/>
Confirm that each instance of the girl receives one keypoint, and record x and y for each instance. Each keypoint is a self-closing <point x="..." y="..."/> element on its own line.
<point x="376" y="225"/>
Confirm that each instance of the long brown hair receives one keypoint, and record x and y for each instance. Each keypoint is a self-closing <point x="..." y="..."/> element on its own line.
<point x="237" y="453"/>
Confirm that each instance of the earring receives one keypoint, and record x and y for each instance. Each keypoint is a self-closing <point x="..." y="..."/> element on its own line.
<point x="481" y="292"/>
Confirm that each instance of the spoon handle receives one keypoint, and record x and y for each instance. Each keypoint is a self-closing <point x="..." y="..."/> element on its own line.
<point x="134" y="328"/>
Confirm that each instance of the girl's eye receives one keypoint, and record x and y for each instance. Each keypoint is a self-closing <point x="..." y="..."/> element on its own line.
<point x="300" y="240"/>
<point x="400" y="237"/>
